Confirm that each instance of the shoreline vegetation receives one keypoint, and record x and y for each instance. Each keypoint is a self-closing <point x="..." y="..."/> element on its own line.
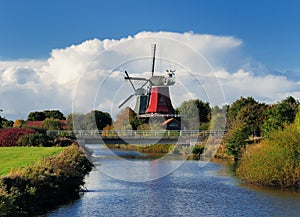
<point x="274" y="162"/>
<point x="45" y="184"/>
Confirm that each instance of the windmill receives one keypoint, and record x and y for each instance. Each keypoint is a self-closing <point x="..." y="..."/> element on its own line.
<point x="154" y="100"/>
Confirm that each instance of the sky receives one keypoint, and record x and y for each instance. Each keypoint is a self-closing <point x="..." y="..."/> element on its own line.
<point x="250" y="47"/>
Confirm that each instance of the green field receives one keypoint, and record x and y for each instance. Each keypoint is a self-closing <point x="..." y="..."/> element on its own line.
<point x="15" y="157"/>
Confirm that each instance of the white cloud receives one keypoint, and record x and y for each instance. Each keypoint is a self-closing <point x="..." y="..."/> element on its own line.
<point x="19" y="75"/>
<point x="82" y="74"/>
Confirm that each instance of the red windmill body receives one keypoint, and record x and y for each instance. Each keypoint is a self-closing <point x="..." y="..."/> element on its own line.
<point x="160" y="101"/>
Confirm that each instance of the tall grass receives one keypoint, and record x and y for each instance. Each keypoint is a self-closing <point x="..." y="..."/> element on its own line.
<point x="274" y="162"/>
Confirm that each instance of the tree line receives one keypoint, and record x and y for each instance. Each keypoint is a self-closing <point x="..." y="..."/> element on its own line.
<point x="245" y="118"/>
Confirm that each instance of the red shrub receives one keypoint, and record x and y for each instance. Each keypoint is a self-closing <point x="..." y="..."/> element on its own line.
<point x="40" y="124"/>
<point x="9" y="137"/>
<point x="34" y="124"/>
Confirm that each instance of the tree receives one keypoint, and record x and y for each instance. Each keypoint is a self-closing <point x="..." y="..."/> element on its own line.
<point x="42" y="115"/>
<point x="246" y="111"/>
<point x="55" y="114"/>
<point x="18" y="123"/>
<point x="218" y="122"/>
<point x="97" y="119"/>
<point x="236" y="107"/>
<point x="235" y="139"/>
<point x="280" y="114"/>
<point x="52" y="124"/>
<point x="194" y="112"/>
<point x="297" y="119"/>
<point x="91" y="121"/>
<point x="122" y="120"/>
<point x="36" y="116"/>
<point x="76" y="121"/>
<point x="135" y="121"/>
<point x="218" y="118"/>
<point x="5" y="123"/>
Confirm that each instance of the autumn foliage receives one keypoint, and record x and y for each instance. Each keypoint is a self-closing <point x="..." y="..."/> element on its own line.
<point x="9" y="137"/>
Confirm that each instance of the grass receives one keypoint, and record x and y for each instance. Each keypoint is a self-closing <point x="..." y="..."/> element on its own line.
<point x="16" y="157"/>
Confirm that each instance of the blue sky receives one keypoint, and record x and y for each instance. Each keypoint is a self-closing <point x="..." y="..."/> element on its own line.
<point x="270" y="29"/>
<point x="253" y="46"/>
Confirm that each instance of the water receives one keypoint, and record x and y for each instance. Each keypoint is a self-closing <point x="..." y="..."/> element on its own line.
<point x="190" y="190"/>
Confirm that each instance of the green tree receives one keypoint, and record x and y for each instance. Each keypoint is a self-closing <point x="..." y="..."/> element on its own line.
<point x="91" y="121"/>
<point x="97" y="119"/>
<point x="76" y="121"/>
<point x="218" y="122"/>
<point x="55" y="114"/>
<point x="247" y="111"/>
<point x="195" y="112"/>
<point x="297" y="119"/>
<point x="6" y="123"/>
<point x="236" y="139"/>
<point x="36" y="116"/>
<point x="134" y="120"/>
<point x="280" y="114"/>
<point x="52" y="124"/>
<point x="236" y="107"/>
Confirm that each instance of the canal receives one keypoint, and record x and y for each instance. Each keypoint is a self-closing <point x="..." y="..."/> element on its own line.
<point x="171" y="187"/>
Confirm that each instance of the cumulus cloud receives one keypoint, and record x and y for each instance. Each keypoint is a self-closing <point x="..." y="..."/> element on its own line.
<point x="90" y="75"/>
<point x="19" y="75"/>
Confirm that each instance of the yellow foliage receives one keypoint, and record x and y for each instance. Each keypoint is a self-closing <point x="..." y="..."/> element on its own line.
<point x="18" y="123"/>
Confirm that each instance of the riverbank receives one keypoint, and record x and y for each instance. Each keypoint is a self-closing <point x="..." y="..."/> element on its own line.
<point x="45" y="184"/>
<point x="275" y="162"/>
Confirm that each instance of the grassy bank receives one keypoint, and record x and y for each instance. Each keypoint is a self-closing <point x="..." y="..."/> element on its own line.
<point x="274" y="162"/>
<point x="16" y="157"/>
<point x="45" y="184"/>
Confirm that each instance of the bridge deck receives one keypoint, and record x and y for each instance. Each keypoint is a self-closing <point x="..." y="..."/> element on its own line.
<point x="138" y="137"/>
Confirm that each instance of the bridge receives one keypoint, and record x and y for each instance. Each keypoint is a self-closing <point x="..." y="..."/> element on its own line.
<point x="185" y="137"/>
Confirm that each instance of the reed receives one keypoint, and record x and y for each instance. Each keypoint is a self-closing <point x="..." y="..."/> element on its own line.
<point x="274" y="162"/>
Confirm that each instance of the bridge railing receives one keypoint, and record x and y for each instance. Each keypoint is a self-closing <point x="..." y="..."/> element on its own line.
<point x="134" y="133"/>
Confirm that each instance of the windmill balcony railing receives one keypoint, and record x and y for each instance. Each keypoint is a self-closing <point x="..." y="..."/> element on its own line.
<point x="134" y="133"/>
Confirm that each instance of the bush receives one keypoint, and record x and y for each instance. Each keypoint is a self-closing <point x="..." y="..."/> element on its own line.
<point x="63" y="141"/>
<point x="35" y="139"/>
<point x="9" y="137"/>
<point x="198" y="149"/>
<point x="274" y="162"/>
<point x="45" y="184"/>
<point x="52" y="124"/>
